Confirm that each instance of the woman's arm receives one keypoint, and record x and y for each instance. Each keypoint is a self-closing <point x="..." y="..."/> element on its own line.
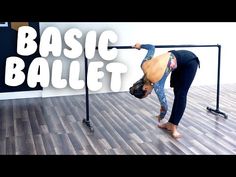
<point x="150" y="50"/>
<point x="160" y="92"/>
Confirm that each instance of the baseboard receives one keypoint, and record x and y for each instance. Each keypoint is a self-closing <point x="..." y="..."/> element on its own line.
<point x="21" y="94"/>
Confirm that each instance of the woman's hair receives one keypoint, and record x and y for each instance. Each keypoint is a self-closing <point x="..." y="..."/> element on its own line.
<point x="137" y="89"/>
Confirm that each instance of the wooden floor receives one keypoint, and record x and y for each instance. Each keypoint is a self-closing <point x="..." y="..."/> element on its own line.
<point x="122" y="124"/>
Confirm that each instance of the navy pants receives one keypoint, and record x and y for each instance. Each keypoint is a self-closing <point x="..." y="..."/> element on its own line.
<point x="185" y="75"/>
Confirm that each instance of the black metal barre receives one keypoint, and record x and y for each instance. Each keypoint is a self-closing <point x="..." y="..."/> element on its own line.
<point x="163" y="46"/>
<point x="216" y="111"/>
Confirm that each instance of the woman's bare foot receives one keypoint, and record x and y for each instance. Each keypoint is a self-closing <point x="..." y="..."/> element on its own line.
<point x="172" y="128"/>
<point x="176" y="134"/>
<point x="165" y="126"/>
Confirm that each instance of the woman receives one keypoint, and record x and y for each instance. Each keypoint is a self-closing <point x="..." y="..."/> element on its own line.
<point x="182" y="64"/>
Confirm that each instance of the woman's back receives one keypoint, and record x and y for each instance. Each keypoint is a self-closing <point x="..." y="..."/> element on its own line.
<point x="155" y="68"/>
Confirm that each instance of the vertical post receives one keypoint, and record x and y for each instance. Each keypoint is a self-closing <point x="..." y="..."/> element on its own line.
<point x="86" y="121"/>
<point x="218" y="79"/>
<point x="217" y="111"/>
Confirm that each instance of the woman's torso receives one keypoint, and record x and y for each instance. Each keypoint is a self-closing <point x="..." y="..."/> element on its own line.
<point x="155" y="68"/>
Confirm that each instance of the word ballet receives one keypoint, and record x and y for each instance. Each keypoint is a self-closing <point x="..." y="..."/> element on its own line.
<point x="51" y="43"/>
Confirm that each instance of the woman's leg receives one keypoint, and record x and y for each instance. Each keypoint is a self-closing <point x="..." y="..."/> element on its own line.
<point x="181" y="90"/>
<point x="187" y="75"/>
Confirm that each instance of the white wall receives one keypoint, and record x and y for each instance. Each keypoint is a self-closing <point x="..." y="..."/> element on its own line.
<point x="158" y="34"/>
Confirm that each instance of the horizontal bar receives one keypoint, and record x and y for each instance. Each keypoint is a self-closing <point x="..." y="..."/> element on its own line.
<point x="164" y="46"/>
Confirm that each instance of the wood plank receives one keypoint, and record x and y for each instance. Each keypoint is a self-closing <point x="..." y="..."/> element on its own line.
<point x="39" y="145"/>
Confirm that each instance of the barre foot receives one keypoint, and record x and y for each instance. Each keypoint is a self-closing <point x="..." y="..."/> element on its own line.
<point x="215" y="111"/>
<point x="88" y="124"/>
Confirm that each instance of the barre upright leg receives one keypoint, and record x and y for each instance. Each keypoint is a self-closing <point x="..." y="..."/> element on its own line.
<point x="86" y="121"/>
<point x="217" y="111"/>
